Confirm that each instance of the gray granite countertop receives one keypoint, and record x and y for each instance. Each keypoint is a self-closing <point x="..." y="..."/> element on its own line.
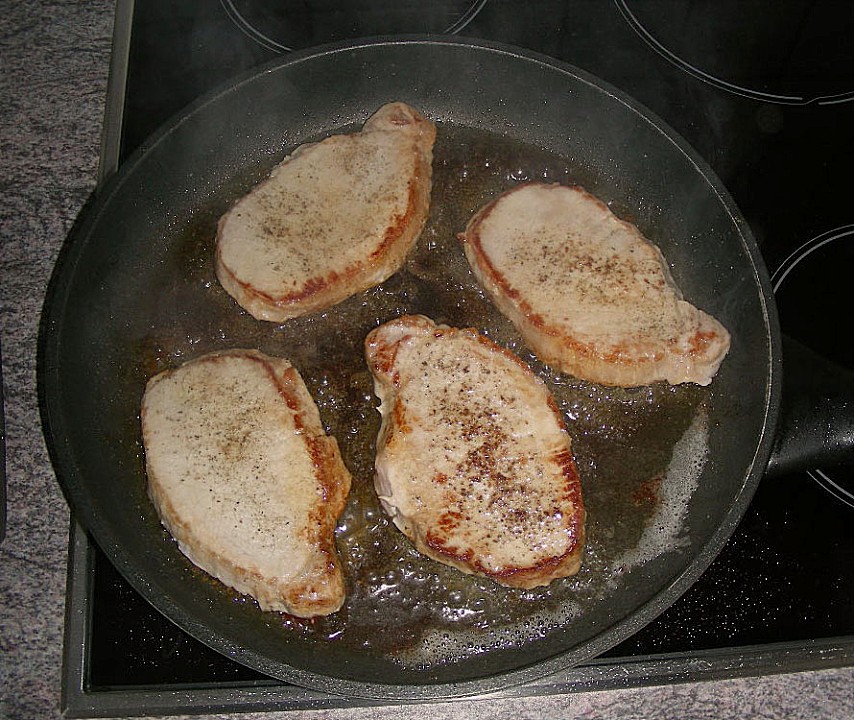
<point x="55" y="57"/>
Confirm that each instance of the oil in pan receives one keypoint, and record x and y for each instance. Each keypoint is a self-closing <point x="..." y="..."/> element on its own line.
<point x="638" y="450"/>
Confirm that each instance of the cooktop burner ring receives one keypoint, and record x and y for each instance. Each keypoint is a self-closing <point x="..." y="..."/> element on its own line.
<point x="802" y="57"/>
<point x="249" y="18"/>
<point x="837" y="484"/>
<point x="811" y="246"/>
<point x="838" y="491"/>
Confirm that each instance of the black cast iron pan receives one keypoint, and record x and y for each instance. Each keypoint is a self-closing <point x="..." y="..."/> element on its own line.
<point x="667" y="472"/>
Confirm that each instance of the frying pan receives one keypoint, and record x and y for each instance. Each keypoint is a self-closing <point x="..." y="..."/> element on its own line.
<point x="133" y="292"/>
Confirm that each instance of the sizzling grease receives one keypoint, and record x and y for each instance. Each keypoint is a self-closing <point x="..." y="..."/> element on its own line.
<point x="399" y="602"/>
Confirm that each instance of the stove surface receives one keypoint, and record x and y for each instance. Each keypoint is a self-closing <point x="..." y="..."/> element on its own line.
<point x="768" y="102"/>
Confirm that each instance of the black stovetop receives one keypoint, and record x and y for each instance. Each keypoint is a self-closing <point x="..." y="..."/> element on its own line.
<point x="767" y="97"/>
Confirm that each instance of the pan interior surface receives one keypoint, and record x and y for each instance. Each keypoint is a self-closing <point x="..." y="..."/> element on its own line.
<point x="666" y="471"/>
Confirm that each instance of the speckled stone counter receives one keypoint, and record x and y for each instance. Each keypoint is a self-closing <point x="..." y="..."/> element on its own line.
<point x="54" y="58"/>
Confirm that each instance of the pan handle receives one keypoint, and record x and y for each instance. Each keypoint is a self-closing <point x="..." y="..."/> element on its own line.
<point x="816" y="426"/>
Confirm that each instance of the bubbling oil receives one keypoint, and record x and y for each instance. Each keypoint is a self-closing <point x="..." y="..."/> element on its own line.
<point x="401" y="604"/>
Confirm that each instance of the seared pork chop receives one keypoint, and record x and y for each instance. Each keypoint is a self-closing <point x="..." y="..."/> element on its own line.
<point x="473" y="460"/>
<point x="333" y="219"/>
<point x="588" y="292"/>
<point x="245" y="479"/>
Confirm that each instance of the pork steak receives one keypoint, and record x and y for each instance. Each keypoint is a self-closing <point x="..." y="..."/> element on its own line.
<point x="473" y="460"/>
<point x="589" y="293"/>
<point x="244" y="478"/>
